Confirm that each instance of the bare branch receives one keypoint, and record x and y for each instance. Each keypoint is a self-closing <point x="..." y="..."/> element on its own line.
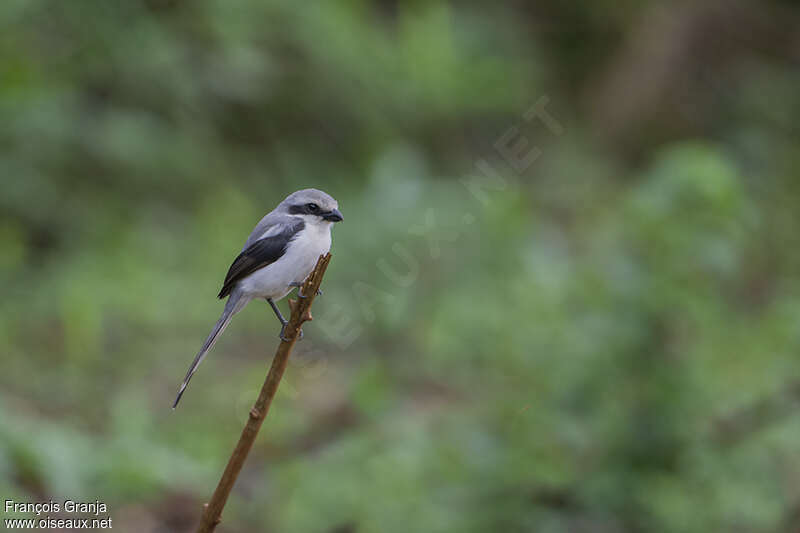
<point x="301" y="312"/>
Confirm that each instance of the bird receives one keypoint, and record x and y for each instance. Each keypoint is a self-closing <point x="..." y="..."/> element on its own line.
<point x="278" y="256"/>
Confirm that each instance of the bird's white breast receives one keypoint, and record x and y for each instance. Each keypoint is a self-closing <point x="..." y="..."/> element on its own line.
<point x="297" y="262"/>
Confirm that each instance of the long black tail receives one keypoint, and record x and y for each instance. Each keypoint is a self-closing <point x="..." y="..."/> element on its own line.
<point x="234" y="304"/>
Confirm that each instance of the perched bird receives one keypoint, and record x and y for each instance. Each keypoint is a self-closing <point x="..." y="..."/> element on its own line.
<point x="279" y="255"/>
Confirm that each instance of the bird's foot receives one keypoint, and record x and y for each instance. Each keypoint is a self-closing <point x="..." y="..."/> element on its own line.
<point x="299" y="286"/>
<point x="283" y="336"/>
<point x="301" y="295"/>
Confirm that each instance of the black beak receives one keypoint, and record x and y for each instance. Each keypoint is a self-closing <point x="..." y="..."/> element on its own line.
<point x="334" y="216"/>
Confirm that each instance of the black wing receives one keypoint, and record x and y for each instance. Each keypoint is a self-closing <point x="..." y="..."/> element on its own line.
<point x="261" y="253"/>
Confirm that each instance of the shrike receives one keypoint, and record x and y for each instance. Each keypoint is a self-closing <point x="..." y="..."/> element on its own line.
<point x="279" y="255"/>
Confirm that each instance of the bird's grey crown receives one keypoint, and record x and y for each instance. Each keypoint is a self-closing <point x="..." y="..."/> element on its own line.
<point x="304" y="197"/>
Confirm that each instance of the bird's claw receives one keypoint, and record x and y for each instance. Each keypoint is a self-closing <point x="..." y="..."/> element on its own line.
<point x="299" y="286"/>
<point x="301" y="295"/>
<point x="283" y="336"/>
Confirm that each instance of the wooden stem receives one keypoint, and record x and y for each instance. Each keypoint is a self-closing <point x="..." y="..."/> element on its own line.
<point x="301" y="312"/>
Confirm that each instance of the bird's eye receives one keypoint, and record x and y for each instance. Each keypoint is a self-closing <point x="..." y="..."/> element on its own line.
<point x="313" y="208"/>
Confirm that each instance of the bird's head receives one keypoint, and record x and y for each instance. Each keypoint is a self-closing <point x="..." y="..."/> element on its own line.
<point x="313" y="205"/>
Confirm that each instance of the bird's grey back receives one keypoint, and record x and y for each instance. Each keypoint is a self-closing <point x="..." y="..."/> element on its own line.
<point x="273" y="222"/>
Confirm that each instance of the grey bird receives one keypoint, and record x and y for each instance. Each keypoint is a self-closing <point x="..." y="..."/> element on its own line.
<point x="278" y="255"/>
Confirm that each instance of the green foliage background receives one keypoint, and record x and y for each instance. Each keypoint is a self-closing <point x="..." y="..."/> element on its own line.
<point x="607" y="343"/>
